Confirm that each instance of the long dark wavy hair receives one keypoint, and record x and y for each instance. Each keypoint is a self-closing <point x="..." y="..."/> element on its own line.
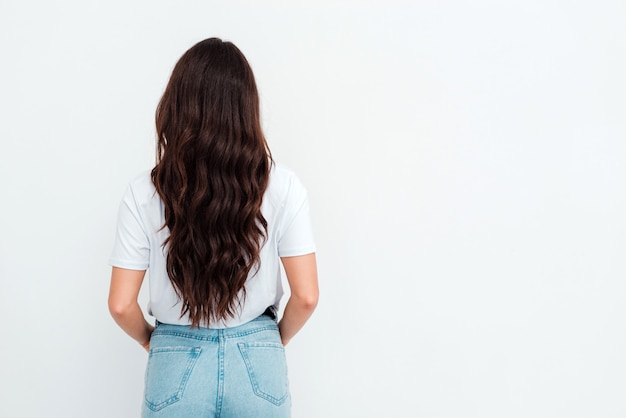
<point x="212" y="169"/>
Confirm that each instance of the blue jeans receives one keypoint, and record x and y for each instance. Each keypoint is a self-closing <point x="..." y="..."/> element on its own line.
<point x="234" y="372"/>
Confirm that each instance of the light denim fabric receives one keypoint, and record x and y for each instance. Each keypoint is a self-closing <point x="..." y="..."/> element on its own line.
<point x="233" y="372"/>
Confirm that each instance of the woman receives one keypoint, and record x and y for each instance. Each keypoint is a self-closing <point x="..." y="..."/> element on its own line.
<point x="212" y="222"/>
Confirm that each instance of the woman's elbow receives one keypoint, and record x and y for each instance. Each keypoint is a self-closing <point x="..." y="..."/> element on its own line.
<point x="308" y="301"/>
<point x="118" y="308"/>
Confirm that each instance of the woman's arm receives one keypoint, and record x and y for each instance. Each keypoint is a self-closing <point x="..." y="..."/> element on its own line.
<point x="301" y="274"/>
<point x="123" y="293"/>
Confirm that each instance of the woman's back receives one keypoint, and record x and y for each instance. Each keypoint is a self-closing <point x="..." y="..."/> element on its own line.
<point x="212" y="222"/>
<point x="140" y="237"/>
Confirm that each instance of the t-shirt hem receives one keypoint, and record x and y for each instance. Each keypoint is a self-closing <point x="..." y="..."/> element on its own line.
<point x="113" y="262"/>
<point x="296" y="252"/>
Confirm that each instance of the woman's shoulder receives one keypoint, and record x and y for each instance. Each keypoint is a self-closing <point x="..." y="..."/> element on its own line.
<point x="141" y="186"/>
<point x="281" y="172"/>
<point x="284" y="186"/>
<point x="283" y="179"/>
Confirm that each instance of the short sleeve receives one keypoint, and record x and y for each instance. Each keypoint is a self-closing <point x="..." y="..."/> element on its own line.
<point x="132" y="246"/>
<point x="296" y="232"/>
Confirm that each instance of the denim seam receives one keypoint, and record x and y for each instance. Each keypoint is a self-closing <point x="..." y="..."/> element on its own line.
<point x="213" y="339"/>
<point x="250" y="332"/>
<point x="185" y="335"/>
<point x="220" y="372"/>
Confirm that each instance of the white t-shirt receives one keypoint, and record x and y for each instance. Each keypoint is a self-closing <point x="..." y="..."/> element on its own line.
<point x="139" y="239"/>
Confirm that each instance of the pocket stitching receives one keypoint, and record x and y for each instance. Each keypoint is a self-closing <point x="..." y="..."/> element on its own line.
<point x="194" y="353"/>
<point x="243" y="349"/>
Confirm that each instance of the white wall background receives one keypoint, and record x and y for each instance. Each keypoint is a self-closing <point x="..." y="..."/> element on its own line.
<point x="466" y="166"/>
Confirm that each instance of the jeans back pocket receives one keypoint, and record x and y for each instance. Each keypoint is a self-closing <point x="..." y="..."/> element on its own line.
<point x="167" y="373"/>
<point x="267" y="369"/>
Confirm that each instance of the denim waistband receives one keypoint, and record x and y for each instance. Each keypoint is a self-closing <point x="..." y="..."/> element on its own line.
<point x="261" y="323"/>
